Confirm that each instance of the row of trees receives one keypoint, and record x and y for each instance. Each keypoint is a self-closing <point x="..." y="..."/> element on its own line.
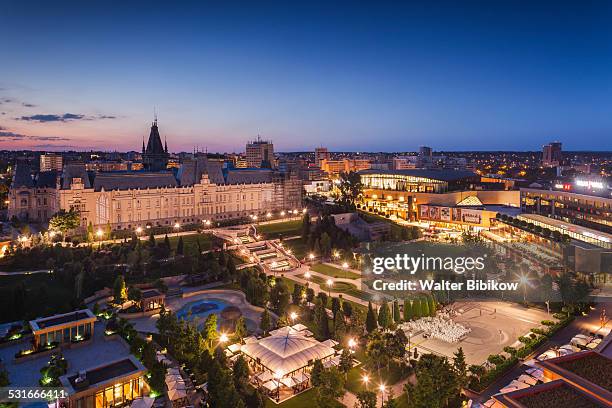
<point x="320" y="235"/>
<point x="388" y="316"/>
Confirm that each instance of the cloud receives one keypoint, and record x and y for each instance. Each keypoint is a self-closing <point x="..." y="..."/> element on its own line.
<point x="66" y="117"/>
<point x="5" y="100"/>
<point x="5" y="134"/>
<point x="28" y="105"/>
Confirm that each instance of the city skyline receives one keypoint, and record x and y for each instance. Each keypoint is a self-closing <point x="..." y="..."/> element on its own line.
<point x="478" y="76"/>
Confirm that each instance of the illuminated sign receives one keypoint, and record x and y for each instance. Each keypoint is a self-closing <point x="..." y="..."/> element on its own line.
<point x="589" y="184"/>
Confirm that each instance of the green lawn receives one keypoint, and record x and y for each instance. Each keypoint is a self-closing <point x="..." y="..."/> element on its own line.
<point x="303" y="400"/>
<point x="298" y="247"/>
<point x="342" y="287"/>
<point x="277" y="229"/>
<point x="334" y="272"/>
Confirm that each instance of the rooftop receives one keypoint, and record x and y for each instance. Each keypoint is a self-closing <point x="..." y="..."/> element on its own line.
<point x="103" y="374"/>
<point x="45" y="322"/>
<point x="151" y="293"/>
<point x="558" y="394"/>
<point x="441" y="175"/>
<point x="591" y="367"/>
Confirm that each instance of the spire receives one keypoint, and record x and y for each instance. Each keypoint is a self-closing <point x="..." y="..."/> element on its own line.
<point x="165" y="144"/>
<point x="143" y="145"/>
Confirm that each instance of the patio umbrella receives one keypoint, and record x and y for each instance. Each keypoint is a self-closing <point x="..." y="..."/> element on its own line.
<point x="176" y="394"/>
<point x="271" y="385"/>
<point x="264" y="376"/>
<point x="144" y="402"/>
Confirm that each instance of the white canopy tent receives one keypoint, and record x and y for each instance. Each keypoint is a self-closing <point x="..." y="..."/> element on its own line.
<point x="144" y="402"/>
<point x="286" y="352"/>
<point x="174" y="395"/>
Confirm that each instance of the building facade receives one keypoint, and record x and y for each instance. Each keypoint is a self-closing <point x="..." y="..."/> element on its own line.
<point x="552" y="155"/>
<point x="50" y="161"/>
<point x="260" y="153"/>
<point x="201" y="189"/>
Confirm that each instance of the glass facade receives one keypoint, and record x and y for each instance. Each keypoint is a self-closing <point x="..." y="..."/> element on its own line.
<point x="66" y="335"/>
<point x="398" y="182"/>
<point x="118" y="395"/>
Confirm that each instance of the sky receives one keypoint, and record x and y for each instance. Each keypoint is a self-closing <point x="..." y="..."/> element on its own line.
<point x="454" y="75"/>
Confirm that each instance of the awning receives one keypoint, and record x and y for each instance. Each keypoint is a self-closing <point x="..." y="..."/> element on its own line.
<point x="176" y="394"/>
<point x="264" y="376"/>
<point x="299" y="327"/>
<point x="271" y="385"/>
<point x="234" y="347"/>
<point x="301" y="377"/>
<point x="288" y="382"/>
<point x="144" y="402"/>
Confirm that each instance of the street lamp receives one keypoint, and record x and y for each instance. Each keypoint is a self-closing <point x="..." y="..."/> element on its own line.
<point x="345" y="267"/>
<point x="223" y="338"/>
<point x="336" y="254"/>
<point x="524" y="281"/>
<point x="177" y="227"/>
<point x="382" y="387"/>
<point x="351" y="344"/>
<point x="366" y="379"/>
<point x="293" y="316"/>
<point x="138" y="230"/>
<point x="268" y="215"/>
<point x="99" y="234"/>
<point x="311" y="256"/>
<point x="329" y="285"/>
<point x="282" y="213"/>
<point x="307" y="275"/>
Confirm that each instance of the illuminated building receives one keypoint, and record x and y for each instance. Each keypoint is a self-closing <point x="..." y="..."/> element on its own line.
<point x="112" y="384"/>
<point x="410" y="194"/>
<point x="63" y="328"/>
<point x="201" y="189"/>
<point x="335" y="167"/>
<point x="50" y="161"/>
<point x="552" y="155"/>
<point x="321" y="153"/>
<point x="260" y="153"/>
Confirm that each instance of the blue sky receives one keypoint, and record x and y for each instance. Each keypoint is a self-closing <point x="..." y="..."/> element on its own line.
<point x="461" y="75"/>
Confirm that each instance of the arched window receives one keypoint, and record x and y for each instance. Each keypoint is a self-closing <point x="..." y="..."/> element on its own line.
<point x="102" y="210"/>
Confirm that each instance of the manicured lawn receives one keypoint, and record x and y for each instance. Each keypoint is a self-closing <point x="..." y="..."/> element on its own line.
<point x="342" y="287"/>
<point x="297" y="246"/>
<point x="277" y="229"/>
<point x="303" y="400"/>
<point x="389" y="376"/>
<point x="334" y="272"/>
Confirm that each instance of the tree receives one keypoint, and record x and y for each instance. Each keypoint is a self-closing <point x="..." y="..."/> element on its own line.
<point x="347" y="309"/>
<point x="240" y="374"/>
<point x="222" y="392"/>
<point x="436" y="383"/>
<point x="298" y="292"/>
<point x="366" y="399"/>
<point x="424" y="307"/>
<point x="119" y="290"/>
<point x="460" y="366"/>
<point x="407" y="310"/>
<point x="397" y="316"/>
<point x="384" y="316"/>
<point x="350" y="188"/>
<point x="416" y="309"/>
<point x="330" y="388"/>
<point x="209" y="332"/>
<point x="321" y="320"/>
<point x="339" y="326"/>
<point x="279" y="297"/>
<point x="167" y="243"/>
<point x="179" y="246"/>
<point x="431" y="303"/>
<point x="134" y="294"/>
<point x="65" y="221"/>
<point x="325" y="244"/>
<point x="346" y="362"/>
<point x="240" y="331"/>
<point x="265" y="323"/>
<point x="305" y="227"/>
<point x="317" y="373"/>
<point x="371" y="319"/>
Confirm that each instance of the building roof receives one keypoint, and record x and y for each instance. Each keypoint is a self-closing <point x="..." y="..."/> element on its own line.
<point x="46" y="322"/>
<point x="133" y="180"/>
<point x="578" y="229"/>
<point x="24" y="177"/>
<point x="286" y="351"/>
<point x="151" y="293"/>
<point x="248" y="176"/>
<point x="558" y="394"/>
<point x="109" y="373"/>
<point x="71" y="171"/>
<point x="441" y="175"/>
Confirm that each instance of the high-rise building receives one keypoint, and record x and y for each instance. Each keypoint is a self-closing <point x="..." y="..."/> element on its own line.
<point x="425" y="151"/>
<point x="321" y="153"/>
<point x="552" y="155"/>
<point x="50" y="161"/>
<point x="260" y="153"/>
<point x="155" y="155"/>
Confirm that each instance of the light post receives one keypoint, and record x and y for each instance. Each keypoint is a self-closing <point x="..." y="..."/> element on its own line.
<point x="382" y="387"/>
<point x="138" y="230"/>
<point x="366" y="380"/>
<point x="345" y="267"/>
<point x="329" y="285"/>
<point x="99" y="234"/>
<point x="351" y="344"/>
<point x="177" y="227"/>
<point x="307" y="275"/>
<point x="523" y="280"/>
<point x="223" y="338"/>
<point x="293" y="316"/>
<point x="547" y="307"/>
<point x="311" y="256"/>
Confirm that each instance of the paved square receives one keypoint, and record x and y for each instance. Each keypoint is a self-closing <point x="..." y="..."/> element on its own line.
<point x="494" y="325"/>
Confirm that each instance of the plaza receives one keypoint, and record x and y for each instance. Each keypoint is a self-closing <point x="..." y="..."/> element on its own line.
<point x="493" y="325"/>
